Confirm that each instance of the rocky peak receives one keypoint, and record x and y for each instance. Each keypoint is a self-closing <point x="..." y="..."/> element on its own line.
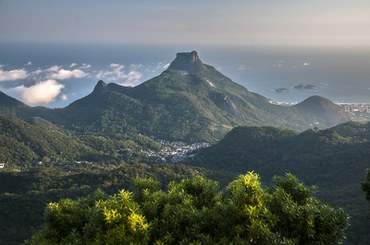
<point x="187" y="61"/>
<point x="191" y="57"/>
<point x="101" y="87"/>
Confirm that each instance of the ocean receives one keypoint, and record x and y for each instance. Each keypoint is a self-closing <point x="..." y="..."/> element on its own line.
<point x="283" y="74"/>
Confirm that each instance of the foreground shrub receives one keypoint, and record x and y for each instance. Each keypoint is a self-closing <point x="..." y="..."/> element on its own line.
<point x="196" y="211"/>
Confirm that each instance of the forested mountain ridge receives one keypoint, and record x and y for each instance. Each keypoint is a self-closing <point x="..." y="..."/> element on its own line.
<point x="190" y="101"/>
<point x="12" y="107"/>
<point x="334" y="159"/>
<point x="267" y="143"/>
<point x="23" y="143"/>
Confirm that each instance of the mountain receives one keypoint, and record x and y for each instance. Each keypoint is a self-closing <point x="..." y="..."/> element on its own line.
<point x="284" y="149"/>
<point x="323" y="108"/>
<point x="333" y="159"/>
<point x="190" y="101"/>
<point x="25" y="143"/>
<point x="12" y="107"/>
<point x="7" y="101"/>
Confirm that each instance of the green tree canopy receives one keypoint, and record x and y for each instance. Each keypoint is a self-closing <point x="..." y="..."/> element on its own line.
<point x="366" y="187"/>
<point x="196" y="211"/>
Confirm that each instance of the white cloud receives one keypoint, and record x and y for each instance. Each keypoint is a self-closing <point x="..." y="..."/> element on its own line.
<point x="54" y="68"/>
<point x="29" y="63"/>
<point x="37" y="72"/>
<point x="135" y="66"/>
<point x="13" y="75"/>
<point x="132" y="78"/>
<point x="63" y="74"/>
<point x="306" y="64"/>
<point x="85" y="66"/>
<point x="114" y="74"/>
<point x="57" y="72"/>
<point x="48" y="86"/>
<point x="64" y="97"/>
<point x="117" y="74"/>
<point x="41" y="93"/>
<point x="114" y="65"/>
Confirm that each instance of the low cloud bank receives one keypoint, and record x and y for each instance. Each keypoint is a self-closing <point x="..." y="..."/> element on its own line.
<point x="13" y="75"/>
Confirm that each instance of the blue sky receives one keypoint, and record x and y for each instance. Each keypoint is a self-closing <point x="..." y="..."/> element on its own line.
<point x="67" y="75"/>
<point x="217" y="22"/>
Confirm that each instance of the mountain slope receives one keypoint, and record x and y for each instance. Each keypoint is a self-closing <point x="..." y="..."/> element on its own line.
<point x="7" y="101"/>
<point x="24" y="143"/>
<point x="190" y="101"/>
<point x="12" y="107"/>
<point x="334" y="159"/>
<point x="323" y="108"/>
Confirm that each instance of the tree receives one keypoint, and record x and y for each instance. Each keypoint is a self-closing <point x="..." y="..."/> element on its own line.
<point x="196" y="211"/>
<point x="366" y="187"/>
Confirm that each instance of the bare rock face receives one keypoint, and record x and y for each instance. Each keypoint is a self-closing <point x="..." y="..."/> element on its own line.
<point x="189" y="62"/>
<point x="191" y="57"/>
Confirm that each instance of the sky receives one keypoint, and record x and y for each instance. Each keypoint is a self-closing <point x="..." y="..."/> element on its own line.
<point x="71" y="73"/>
<point x="218" y="22"/>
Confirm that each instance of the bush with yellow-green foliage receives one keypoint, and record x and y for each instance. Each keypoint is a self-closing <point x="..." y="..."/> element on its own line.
<point x="196" y="211"/>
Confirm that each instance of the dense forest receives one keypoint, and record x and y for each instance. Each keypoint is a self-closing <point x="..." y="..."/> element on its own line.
<point x="24" y="194"/>
<point x="334" y="159"/>
<point x="24" y="144"/>
<point x="46" y="176"/>
<point x="366" y="188"/>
